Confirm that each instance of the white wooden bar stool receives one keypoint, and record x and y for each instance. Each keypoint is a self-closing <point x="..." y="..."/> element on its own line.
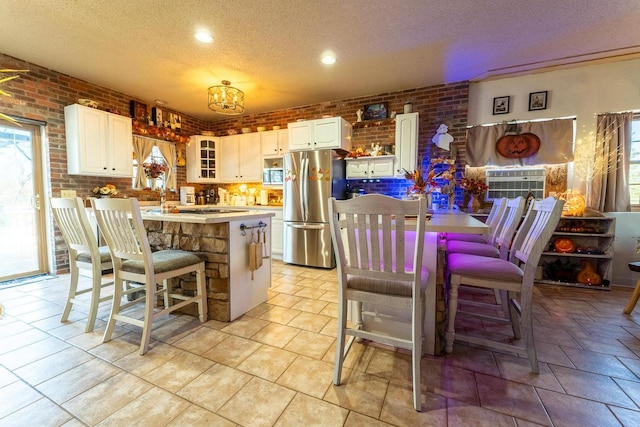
<point x="123" y="229"/>
<point x="84" y="254"/>
<point x="380" y="262"/>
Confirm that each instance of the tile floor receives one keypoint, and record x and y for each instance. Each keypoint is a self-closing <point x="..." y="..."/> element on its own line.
<point x="274" y="366"/>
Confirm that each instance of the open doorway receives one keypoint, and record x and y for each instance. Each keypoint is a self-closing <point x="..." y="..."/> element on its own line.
<point x="23" y="249"/>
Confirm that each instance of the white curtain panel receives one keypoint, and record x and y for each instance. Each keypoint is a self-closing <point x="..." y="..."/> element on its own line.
<point x="168" y="151"/>
<point x="142" y="147"/>
<point x="556" y="143"/>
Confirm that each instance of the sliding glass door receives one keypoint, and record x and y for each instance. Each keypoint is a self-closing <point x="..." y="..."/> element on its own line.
<point x="22" y="217"/>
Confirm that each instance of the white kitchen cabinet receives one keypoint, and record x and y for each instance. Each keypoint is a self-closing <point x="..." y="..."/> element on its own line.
<point x="274" y="143"/>
<point x="371" y="167"/>
<point x="240" y="158"/>
<point x="98" y="143"/>
<point x="332" y="132"/>
<point x="203" y="163"/>
<point x="406" y="143"/>
<point x="277" y="230"/>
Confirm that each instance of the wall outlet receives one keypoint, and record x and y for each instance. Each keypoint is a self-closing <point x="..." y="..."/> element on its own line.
<point x="68" y="194"/>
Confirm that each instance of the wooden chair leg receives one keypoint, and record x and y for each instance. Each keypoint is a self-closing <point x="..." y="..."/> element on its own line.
<point x="96" y="286"/>
<point x="115" y="309"/>
<point x="340" y="339"/>
<point x="201" y="286"/>
<point x="148" y="317"/>
<point x="451" y="320"/>
<point x="416" y="355"/>
<point x="633" y="299"/>
<point x="73" y="287"/>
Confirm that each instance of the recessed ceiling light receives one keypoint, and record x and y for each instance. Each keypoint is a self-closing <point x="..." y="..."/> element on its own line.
<point x="160" y="101"/>
<point x="203" y="36"/>
<point x="328" y="59"/>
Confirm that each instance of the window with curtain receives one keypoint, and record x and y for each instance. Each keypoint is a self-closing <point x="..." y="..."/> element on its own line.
<point x="154" y="167"/>
<point x="634" y="162"/>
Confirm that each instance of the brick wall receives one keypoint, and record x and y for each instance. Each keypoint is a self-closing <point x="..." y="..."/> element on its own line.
<point x="439" y="104"/>
<point x="42" y="94"/>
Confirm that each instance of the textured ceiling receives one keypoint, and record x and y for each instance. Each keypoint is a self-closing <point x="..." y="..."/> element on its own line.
<point x="271" y="49"/>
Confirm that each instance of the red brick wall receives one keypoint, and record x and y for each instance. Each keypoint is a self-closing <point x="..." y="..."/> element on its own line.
<point x="42" y="94"/>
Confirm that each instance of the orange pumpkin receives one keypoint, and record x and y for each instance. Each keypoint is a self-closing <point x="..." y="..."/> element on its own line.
<point x="588" y="274"/>
<point x="564" y="245"/>
<point x="518" y="146"/>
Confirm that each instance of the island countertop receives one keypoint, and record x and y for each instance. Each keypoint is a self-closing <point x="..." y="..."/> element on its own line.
<point x="203" y="216"/>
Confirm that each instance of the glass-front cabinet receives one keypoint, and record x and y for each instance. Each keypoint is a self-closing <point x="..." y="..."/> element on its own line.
<point x="202" y="159"/>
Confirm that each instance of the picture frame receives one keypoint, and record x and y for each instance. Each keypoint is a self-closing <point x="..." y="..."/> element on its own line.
<point x="538" y="100"/>
<point x="501" y="105"/>
<point x="138" y="111"/>
<point x="376" y="111"/>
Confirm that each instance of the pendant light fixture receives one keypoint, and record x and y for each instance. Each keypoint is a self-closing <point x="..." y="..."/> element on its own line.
<point x="225" y="99"/>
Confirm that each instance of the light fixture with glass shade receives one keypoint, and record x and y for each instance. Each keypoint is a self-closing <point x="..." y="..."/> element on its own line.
<point x="225" y="99"/>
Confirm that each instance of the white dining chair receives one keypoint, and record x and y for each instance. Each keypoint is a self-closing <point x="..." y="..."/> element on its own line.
<point x="84" y="255"/>
<point x="121" y="224"/>
<point x="504" y="231"/>
<point x="503" y="234"/>
<point x="379" y="262"/>
<point x="492" y="221"/>
<point x="515" y="276"/>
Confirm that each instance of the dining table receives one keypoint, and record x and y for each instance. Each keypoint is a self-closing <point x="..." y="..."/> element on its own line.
<point x="440" y="222"/>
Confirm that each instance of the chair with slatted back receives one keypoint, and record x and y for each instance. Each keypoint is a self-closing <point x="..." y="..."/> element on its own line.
<point x="121" y="224"/>
<point x="515" y="276"/>
<point x="379" y="261"/>
<point x="504" y="232"/>
<point x="84" y="255"/>
<point x="492" y="221"/>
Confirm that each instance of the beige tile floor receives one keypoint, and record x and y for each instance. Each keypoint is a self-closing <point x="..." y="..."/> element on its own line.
<point x="274" y="366"/>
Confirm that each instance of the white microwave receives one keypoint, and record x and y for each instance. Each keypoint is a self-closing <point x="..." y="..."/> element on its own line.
<point x="272" y="176"/>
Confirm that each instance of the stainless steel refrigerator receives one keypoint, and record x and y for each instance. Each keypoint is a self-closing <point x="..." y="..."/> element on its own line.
<point x="311" y="178"/>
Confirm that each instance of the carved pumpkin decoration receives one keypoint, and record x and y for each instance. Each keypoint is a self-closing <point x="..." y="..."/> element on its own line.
<point x="575" y="204"/>
<point x="515" y="145"/>
<point x="564" y="245"/>
<point x="588" y="274"/>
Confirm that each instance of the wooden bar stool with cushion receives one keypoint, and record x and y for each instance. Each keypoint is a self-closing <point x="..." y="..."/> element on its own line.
<point x="121" y="224"/>
<point x="515" y="276"/>
<point x="493" y="219"/>
<point x="633" y="299"/>
<point x="84" y="254"/>
<point x="502" y="236"/>
<point x="379" y="259"/>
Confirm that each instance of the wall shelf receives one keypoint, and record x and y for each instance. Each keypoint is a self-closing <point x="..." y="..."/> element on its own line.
<point x="373" y="123"/>
<point x="595" y="235"/>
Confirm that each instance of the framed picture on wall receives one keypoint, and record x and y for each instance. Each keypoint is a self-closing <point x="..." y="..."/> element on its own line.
<point x="538" y="101"/>
<point x="501" y="105"/>
<point x="375" y="111"/>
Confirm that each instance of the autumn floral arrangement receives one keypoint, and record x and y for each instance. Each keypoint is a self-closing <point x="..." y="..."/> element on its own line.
<point x="440" y="175"/>
<point x="107" y="191"/>
<point x="473" y="186"/>
<point x="154" y="169"/>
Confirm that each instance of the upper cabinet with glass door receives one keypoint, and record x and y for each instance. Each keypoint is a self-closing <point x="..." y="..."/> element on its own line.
<point x="203" y="159"/>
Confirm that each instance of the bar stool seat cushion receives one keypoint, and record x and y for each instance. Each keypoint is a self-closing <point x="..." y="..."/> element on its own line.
<point x="483" y="267"/>
<point x="387" y="287"/>
<point x="472" y="248"/>
<point x="105" y="256"/>
<point x="163" y="261"/>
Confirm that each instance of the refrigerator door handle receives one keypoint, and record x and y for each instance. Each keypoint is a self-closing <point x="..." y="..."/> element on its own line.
<point x="304" y="187"/>
<point x="307" y="226"/>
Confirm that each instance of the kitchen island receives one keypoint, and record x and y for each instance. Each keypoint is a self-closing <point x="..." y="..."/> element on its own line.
<point x="222" y="237"/>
